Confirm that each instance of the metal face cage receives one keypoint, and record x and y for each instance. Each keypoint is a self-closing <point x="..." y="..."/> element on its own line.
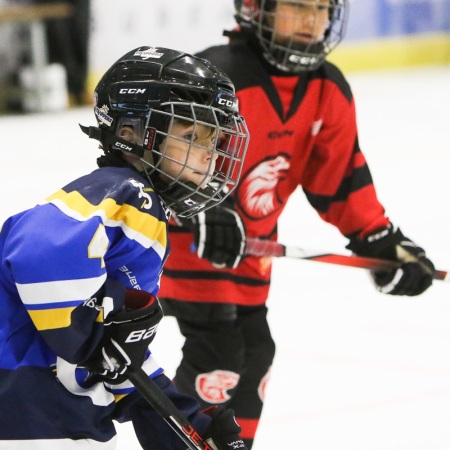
<point x="196" y="169"/>
<point x="290" y="54"/>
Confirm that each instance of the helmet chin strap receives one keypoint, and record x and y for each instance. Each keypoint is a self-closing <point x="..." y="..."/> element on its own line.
<point x="105" y="137"/>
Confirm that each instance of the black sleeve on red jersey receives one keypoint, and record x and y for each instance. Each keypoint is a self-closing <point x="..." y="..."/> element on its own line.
<point x="358" y="179"/>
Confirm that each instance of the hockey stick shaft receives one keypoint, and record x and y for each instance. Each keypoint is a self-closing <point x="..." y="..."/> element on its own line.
<point x="260" y="247"/>
<point x="167" y="410"/>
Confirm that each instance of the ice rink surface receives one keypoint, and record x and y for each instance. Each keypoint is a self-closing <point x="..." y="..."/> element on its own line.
<point x="354" y="369"/>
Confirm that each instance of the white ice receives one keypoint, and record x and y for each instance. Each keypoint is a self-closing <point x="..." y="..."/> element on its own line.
<point x="354" y="369"/>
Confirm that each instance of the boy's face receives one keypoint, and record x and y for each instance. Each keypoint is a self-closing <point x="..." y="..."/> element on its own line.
<point x="187" y="153"/>
<point x="300" y="21"/>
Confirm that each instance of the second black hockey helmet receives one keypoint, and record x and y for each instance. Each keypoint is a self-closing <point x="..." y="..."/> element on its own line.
<point x="258" y="17"/>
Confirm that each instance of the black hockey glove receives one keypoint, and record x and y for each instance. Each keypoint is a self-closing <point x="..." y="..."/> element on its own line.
<point x="127" y="335"/>
<point x="223" y="431"/>
<point x="219" y="235"/>
<point x="415" y="274"/>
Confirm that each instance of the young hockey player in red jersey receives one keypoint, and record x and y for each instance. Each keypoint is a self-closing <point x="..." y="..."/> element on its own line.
<point x="80" y="272"/>
<point x="301" y="116"/>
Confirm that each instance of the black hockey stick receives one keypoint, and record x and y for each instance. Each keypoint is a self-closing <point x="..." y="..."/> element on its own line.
<point x="167" y="410"/>
<point x="260" y="247"/>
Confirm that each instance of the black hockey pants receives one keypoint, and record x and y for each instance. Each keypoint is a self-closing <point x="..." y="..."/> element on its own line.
<point x="227" y="354"/>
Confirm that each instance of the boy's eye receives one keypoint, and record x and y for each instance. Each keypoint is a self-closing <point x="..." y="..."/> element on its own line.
<point x="189" y="136"/>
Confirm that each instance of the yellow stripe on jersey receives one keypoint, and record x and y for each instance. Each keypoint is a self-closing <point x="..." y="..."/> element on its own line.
<point x="49" y="319"/>
<point x="139" y="226"/>
<point x="117" y="398"/>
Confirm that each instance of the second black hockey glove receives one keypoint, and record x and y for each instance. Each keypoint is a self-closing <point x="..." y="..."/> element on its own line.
<point x="415" y="274"/>
<point x="219" y="236"/>
<point x="127" y="335"/>
<point x="223" y="431"/>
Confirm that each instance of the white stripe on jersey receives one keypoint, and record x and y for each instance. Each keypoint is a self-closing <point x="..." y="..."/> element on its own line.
<point x="66" y="375"/>
<point x="59" y="291"/>
<point x="58" y="444"/>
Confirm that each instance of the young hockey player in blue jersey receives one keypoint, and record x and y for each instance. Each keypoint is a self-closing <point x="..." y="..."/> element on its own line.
<point x="80" y="272"/>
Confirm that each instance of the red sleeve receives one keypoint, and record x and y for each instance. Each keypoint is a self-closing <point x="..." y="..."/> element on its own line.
<point x="337" y="180"/>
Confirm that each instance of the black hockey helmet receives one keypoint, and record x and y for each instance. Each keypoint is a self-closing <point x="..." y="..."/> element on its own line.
<point x="149" y="88"/>
<point x="258" y="16"/>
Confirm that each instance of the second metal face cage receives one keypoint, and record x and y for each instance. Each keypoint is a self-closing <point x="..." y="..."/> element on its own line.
<point x="290" y="56"/>
<point x="225" y="149"/>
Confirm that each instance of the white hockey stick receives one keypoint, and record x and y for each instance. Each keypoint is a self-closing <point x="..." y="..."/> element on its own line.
<point x="260" y="247"/>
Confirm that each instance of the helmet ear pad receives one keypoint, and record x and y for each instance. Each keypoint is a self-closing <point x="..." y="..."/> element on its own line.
<point x="137" y="124"/>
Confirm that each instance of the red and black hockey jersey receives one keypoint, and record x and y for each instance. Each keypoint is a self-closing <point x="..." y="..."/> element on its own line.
<point x="303" y="132"/>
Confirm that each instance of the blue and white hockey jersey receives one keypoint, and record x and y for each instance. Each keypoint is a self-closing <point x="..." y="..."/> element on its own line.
<point x="54" y="257"/>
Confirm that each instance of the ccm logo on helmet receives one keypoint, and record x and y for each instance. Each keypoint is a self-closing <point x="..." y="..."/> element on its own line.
<point x="224" y="101"/>
<point x="123" y="146"/>
<point x="132" y="91"/>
